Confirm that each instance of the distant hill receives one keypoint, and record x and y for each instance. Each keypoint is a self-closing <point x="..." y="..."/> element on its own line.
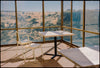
<point x="34" y="19"/>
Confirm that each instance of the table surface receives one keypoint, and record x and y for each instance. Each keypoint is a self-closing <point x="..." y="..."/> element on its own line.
<point x="56" y="33"/>
<point x="84" y="56"/>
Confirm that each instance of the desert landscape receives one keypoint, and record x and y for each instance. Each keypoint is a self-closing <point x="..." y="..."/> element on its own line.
<point x="34" y="19"/>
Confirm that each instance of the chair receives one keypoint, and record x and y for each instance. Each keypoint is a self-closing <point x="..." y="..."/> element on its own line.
<point x="23" y="39"/>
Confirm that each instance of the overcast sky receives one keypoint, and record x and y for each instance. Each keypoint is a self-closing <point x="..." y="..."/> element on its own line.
<point x="51" y="6"/>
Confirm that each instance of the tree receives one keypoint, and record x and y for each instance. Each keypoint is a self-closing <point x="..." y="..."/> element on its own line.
<point x="28" y="17"/>
<point x="34" y="21"/>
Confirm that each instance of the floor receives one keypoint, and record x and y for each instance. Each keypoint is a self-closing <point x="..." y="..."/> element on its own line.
<point x="10" y="59"/>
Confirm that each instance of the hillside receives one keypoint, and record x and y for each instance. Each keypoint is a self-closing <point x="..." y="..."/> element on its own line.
<point x="34" y="19"/>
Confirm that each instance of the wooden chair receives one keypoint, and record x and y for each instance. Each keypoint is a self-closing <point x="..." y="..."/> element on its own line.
<point x="23" y="39"/>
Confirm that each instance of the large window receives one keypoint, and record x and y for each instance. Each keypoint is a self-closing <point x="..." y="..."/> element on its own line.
<point x="34" y="33"/>
<point x="77" y="14"/>
<point x="67" y="38"/>
<point x="29" y="16"/>
<point x="92" y="16"/>
<point x="92" y="23"/>
<point x="67" y="13"/>
<point x="8" y="21"/>
<point x="66" y="18"/>
<point x="91" y="40"/>
<point x="29" y="13"/>
<point x="8" y="14"/>
<point x="52" y="13"/>
<point x="77" y="38"/>
<point x="52" y="16"/>
<point x="8" y="37"/>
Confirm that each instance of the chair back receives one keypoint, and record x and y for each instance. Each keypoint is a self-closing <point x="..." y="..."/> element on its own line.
<point x="22" y="36"/>
<point x="17" y="35"/>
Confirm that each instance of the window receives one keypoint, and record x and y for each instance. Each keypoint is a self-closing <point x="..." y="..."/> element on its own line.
<point x="77" y="38"/>
<point x="91" y="40"/>
<point x="77" y="14"/>
<point x="52" y="13"/>
<point x="8" y="21"/>
<point x="8" y="14"/>
<point x="92" y="16"/>
<point x="35" y="36"/>
<point x="66" y="13"/>
<point x="29" y="13"/>
<point x="8" y="37"/>
<point x="67" y="38"/>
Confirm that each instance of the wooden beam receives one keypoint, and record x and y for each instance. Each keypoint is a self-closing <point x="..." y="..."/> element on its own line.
<point x="71" y="20"/>
<point x="61" y="17"/>
<point x="81" y="30"/>
<point x="30" y="28"/>
<point x="43" y="18"/>
<point x="61" y="14"/>
<point x="83" y="23"/>
<point x="9" y="29"/>
<point x="16" y="19"/>
<point x="52" y="26"/>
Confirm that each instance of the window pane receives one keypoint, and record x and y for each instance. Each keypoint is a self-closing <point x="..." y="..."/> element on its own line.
<point x="52" y="13"/>
<point x="77" y="38"/>
<point x="52" y="29"/>
<point x="91" y="40"/>
<point x="67" y="13"/>
<point x="35" y="36"/>
<point x="92" y="16"/>
<point x="67" y="38"/>
<point x="8" y="37"/>
<point x="8" y="14"/>
<point x="29" y="13"/>
<point x="77" y="14"/>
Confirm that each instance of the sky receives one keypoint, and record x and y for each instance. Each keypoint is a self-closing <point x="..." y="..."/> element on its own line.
<point x="50" y="6"/>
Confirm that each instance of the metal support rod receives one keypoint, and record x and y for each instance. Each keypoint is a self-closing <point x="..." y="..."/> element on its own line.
<point x="55" y="48"/>
<point x="55" y="45"/>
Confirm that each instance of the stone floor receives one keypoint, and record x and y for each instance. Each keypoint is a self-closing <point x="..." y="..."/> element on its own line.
<point x="10" y="59"/>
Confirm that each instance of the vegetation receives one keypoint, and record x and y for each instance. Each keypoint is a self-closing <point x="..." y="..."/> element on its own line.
<point x="50" y="20"/>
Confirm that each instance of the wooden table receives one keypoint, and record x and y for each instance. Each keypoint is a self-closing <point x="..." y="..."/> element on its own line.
<point x="55" y="34"/>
